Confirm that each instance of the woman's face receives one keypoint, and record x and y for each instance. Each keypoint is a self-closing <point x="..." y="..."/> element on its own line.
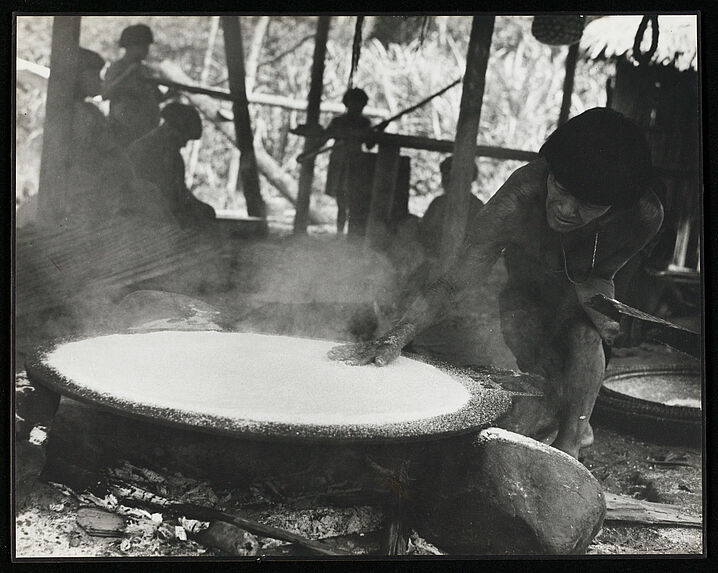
<point x="90" y="82"/>
<point x="565" y="212"/>
<point x="137" y="52"/>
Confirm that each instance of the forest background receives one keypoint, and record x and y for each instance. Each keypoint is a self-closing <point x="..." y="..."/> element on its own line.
<point x="403" y="60"/>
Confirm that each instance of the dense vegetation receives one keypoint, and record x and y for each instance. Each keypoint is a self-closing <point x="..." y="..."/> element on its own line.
<point x="403" y="59"/>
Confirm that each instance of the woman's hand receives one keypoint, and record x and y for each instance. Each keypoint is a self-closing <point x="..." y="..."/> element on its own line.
<point x="381" y="351"/>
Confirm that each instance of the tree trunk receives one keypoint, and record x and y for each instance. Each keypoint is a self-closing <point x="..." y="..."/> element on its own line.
<point x="61" y="88"/>
<point x="196" y="145"/>
<point x="242" y="123"/>
<point x="459" y="190"/>
<point x="255" y="49"/>
<point x="306" y="174"/>
<point x="281" y="180"/>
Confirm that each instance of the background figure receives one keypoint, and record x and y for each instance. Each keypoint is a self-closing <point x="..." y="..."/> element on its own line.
<point x="459" y="336"/>
<point x="134" y="102"/>
<point x="431" y="222"/>
<point x="101" y="181"/>
<point x="157" y="158"/>
<point x="351" y="192"/>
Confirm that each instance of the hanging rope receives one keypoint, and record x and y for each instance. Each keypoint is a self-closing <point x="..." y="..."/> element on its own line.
<point x="356" y="50"/>
<point x="640" y="57"/>
<point x="425" y="23"/>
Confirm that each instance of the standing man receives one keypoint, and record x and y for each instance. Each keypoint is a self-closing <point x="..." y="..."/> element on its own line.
<point x="566" y="223"/>
<point x="134" y="102"/>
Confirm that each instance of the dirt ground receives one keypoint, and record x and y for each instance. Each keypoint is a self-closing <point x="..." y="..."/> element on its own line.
<point x="47" y="523"/>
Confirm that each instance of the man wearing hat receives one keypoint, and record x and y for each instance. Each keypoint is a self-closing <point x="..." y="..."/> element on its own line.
<point x="566" y="223"/>
<point x="134" y="102"/>
<point x="157" y="158"/>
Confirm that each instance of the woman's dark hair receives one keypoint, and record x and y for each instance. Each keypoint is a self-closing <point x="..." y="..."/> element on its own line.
<point x="355" y="94"/>
<point x="184" y="118"/>
<point x="90" y="60"/>
<point x="601" y="157"/>
<point x="137" y="34"/>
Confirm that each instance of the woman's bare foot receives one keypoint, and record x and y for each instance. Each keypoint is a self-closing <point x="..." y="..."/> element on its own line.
<point x="586" y="438"/>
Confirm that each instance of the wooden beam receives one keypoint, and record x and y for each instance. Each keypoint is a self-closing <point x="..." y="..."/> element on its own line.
<point x="571" y="59"/>
<point x="467" y="128"/>
<point x="629" y="510"/>
<point x="447" y="146"/>
<point x="306" y="174"/>
<point x="382" y="197"/>
<point x="430" y="144"/>
<point x="242" y="122"/>
<point x="43" y="72"/>
<point x="59" y="109"/>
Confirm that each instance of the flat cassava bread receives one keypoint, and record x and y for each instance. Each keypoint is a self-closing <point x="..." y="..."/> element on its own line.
<point x="255" y="377"/>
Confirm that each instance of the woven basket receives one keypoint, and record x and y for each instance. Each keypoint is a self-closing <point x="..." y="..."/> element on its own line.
<point x="558" y="30"/>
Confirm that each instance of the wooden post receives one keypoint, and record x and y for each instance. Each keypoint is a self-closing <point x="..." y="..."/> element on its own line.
<point x="306" y="174"/>
<point x="242" y="123"/>
<point x="382" y="197"/>
<point x="59" y="108"/>
<point x="571" y="59"/>
<point x="467" y="128"/>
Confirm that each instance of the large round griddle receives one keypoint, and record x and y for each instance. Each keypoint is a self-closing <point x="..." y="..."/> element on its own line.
<point x="263" y="386"/>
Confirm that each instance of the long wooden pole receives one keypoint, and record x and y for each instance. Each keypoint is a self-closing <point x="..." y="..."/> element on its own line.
<point x="254" y="98"/>
<point x="306" y="174"/>
<point x="467" y="129"/>
<point x="59" y="108"/>
<point x="242" y="122"/>
<point x="571" y="59"/>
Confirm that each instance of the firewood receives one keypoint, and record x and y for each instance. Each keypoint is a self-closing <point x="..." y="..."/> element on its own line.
<point x="623" y="508"/>
<point x="132" y="495"/>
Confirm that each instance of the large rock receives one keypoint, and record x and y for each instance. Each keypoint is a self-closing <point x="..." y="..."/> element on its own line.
<point x="508" y="494"/>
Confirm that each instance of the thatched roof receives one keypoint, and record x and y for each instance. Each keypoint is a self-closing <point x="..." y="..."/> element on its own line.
<point x="613" y="37"/>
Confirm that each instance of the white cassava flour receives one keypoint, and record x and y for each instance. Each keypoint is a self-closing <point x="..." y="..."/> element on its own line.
<point x="255" y="377"/>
